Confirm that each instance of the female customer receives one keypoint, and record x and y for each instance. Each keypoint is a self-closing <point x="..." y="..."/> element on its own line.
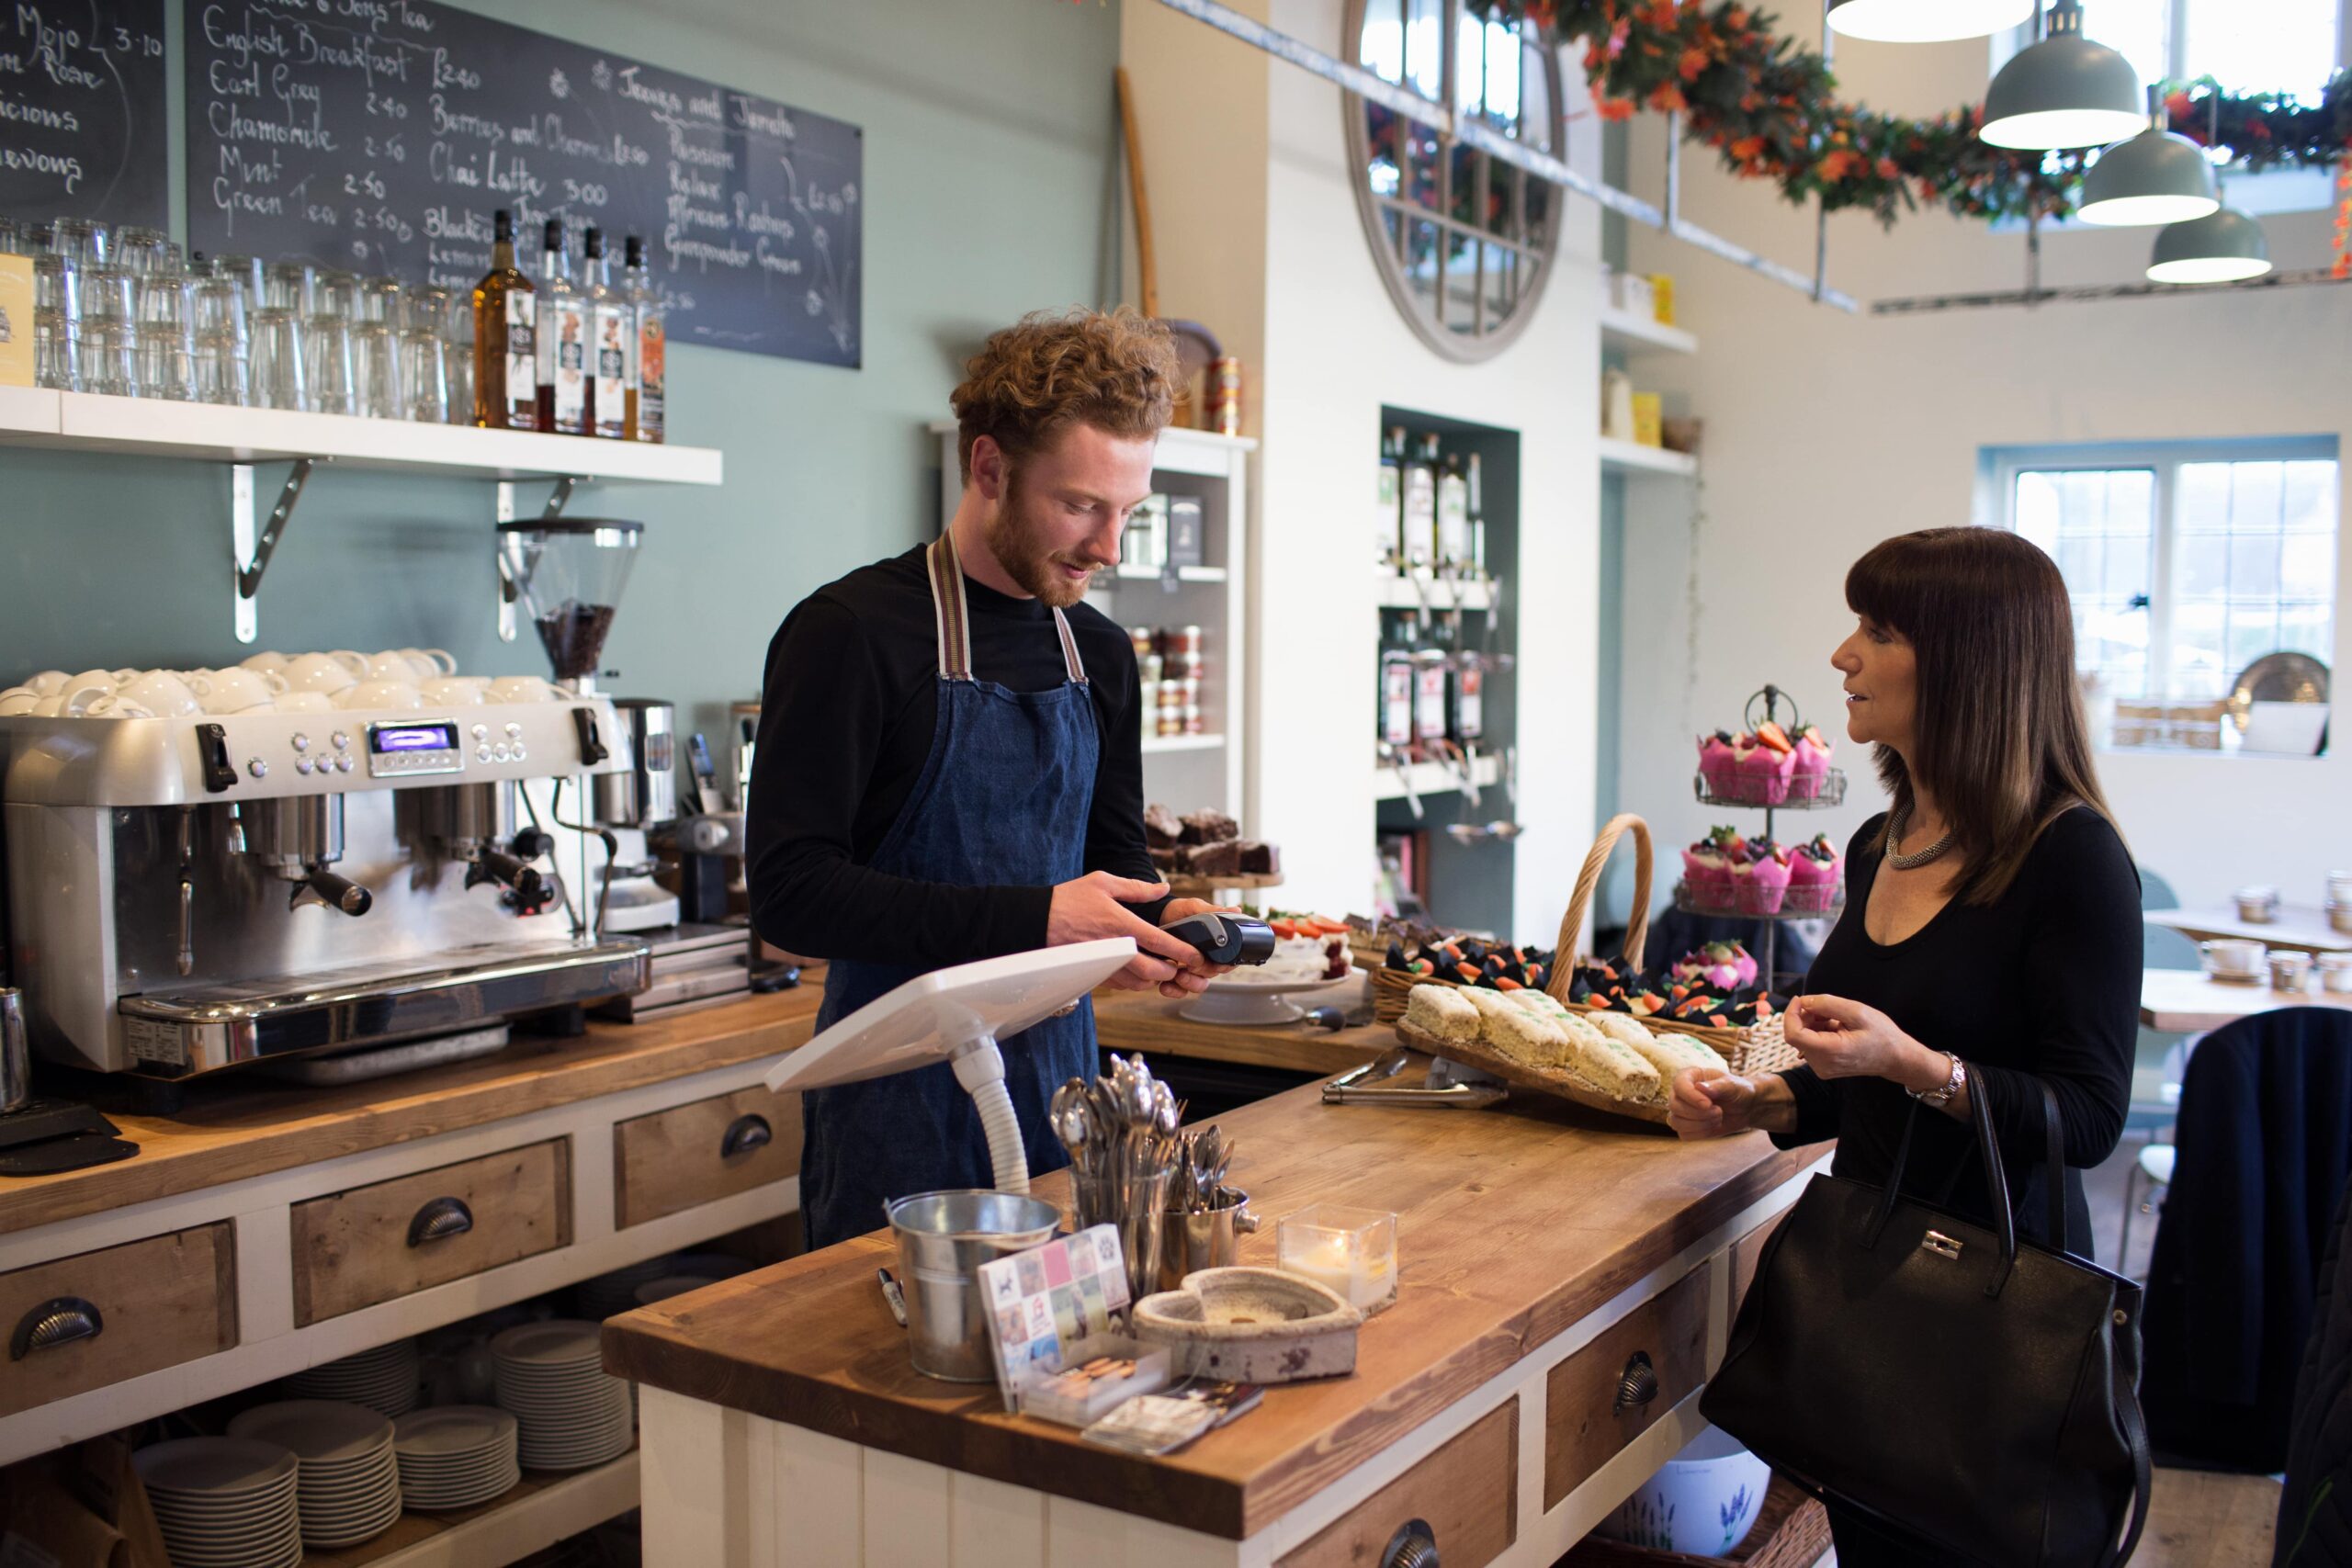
<point x="1991" y="941"/>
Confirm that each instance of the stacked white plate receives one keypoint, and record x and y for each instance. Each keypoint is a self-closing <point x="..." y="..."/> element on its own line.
<point x="457" y="1456"/>
<point x="350" y="1486"/>
<point x="609" y="1295"/>
<point x="385" y="1379"/>
<point x="551" y="1376"/>
<point x="225" y="1502"/>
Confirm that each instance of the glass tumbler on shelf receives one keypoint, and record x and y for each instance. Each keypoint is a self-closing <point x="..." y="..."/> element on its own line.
<point x="166" y="368"/>
<point x="109" y="359"/>
<point x="287" y="286"/>
<point x="384" y="300"/>
<point x="279" y="379"/>
<point x="424" y="377"/>
<point x="457" y="324"/>
<point x="109" y="298"/>
<point x="221" y="370"/>
<point x="219" y="307"/>
<point x="327" y="361"/>
<point x="376" y="370"/>
<point x="247" y="273"/>
<point x="141" y="250"/>
<point x="56" y="350"/>
<point x="334" y="292"/>
<point x="79" y="240"/>
<point x="161" y="299"/>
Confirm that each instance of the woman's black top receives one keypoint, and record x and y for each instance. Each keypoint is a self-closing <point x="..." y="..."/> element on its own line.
<point x="2041" y="986"/>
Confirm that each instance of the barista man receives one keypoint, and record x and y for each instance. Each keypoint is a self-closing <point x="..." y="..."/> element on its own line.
<point x="949" y="764"/>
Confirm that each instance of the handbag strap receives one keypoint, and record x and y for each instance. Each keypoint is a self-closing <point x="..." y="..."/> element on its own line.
<point x="2136" y="1433"/>
<point x="2053" y="1168"/>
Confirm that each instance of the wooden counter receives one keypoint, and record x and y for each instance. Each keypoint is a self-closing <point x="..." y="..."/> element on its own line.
<point x="1146" y="1022"/>
<point x="253" y="1128"/>
<point x="1517" y="1227"/>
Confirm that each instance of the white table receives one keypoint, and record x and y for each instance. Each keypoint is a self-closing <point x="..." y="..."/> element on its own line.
<point x="2184" y="1001"/>
<point x="2302" y="926"/>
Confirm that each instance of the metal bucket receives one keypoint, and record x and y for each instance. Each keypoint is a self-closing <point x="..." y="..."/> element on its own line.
<point x="1208" y="1240"/>
<point x="944" y="1238"/>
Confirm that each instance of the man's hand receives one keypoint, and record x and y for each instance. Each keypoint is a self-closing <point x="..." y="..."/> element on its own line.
<point x="1192" y="981"/>
<point x="1094" y="906"/>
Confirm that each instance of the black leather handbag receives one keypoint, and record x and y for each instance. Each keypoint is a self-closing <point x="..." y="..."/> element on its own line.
<point x="1938" y="1378"/>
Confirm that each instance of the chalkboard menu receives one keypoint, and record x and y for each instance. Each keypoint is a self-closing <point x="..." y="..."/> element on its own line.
<point x="81" y="128"/>
<point x="379" y="135"/>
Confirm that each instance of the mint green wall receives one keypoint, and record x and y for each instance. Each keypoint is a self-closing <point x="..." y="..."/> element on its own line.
<point x="989" y="155"/>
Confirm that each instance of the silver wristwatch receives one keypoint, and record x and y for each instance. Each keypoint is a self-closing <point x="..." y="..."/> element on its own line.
<point x="1940" y="1098"/>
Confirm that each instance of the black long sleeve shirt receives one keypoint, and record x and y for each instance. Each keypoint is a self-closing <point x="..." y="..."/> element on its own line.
<point x="846" y="716"/>
<point x="2041" y="986"/>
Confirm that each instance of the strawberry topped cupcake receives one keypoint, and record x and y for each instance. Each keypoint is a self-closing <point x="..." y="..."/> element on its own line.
<point x="1809" y="770"/>
<point x="1761" y="884"/>
<point x="1725" y="965"/>
<point x="1815" y="874"/>
<point x="1706" y="866"/>
<point x="1763" y="765"/>
<point x="1719" y="763"/>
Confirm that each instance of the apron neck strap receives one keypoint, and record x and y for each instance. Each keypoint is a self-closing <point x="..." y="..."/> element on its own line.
<point x="953" y="616"/>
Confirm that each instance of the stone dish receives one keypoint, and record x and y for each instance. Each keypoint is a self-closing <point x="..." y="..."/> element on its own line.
<point x="1253" y="1325"/>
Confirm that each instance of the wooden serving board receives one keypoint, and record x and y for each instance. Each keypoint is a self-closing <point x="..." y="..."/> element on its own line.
<point x="1185" y="885"/>
<point x="1558" y="1082"/>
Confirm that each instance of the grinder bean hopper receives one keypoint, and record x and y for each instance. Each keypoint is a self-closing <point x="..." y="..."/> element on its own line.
<point x="957" y="1015"/>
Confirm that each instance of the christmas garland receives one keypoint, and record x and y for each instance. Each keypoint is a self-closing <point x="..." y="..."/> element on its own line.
<point x="1770" y="110"/>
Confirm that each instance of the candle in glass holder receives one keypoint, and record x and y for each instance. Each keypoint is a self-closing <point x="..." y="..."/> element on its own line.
<point x="1351" y="1252"/>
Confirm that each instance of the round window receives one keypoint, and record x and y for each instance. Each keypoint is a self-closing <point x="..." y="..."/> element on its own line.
<point x="1463" y="239"/>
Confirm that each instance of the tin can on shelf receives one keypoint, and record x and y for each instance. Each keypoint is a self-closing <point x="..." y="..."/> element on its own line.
<point x="1224" y="401"/>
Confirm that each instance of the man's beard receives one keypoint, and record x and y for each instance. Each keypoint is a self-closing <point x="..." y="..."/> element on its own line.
<point x="1021" y="548"/>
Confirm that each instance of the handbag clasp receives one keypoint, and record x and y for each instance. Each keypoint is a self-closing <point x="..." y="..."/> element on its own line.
<point x="1940" y="1244"/>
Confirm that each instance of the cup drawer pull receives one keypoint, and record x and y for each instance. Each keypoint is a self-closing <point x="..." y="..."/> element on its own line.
<point x="54" y="1323"/>
<point x="1413" y="1545"/>
<point x="1637" y="1387"/>
<point x="439" y="1220"/>
<point x="748" y="1131"/>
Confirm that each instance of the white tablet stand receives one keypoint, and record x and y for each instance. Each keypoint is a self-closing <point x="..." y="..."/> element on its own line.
<point x="958" y="1014"/>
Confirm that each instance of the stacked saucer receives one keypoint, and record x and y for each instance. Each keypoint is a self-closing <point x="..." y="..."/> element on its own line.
<point x="350" y="1488"/>
<point x="385" y="1379"/>
<point x="457" y="1456"/>
<point x="609" y="1295"/>
<point x="225" y="1502"/>
<point x="551" y="1376"/>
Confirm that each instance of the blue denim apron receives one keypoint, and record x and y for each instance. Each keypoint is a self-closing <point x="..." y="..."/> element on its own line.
<point x="1002" y="800"/>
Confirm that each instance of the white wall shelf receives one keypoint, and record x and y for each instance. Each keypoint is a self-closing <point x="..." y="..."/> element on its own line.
<point x="1431" y="778"/>
<point x="210" y="432"/>
<point x="1184" y="574"/>
<point x="1635" y="460"/>
<point x="1152" y="743"/>
<point x="1633" y="335"/>
<point x="1394" y="592"/>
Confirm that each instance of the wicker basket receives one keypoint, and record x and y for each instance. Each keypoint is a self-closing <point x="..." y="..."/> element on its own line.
<point x="1791" y="1532"/>
<point x="1759" y="1049"/>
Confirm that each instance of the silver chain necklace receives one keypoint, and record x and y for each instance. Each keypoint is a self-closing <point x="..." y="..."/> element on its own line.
<point x="1911" y="861"/>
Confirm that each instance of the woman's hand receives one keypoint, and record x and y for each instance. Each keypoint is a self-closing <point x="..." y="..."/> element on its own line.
<point x="1708" y="1102"/>
<point x="1841" y="1039"/>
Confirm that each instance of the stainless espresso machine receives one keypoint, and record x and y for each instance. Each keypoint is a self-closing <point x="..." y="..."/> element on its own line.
<point x="193" y="893"/>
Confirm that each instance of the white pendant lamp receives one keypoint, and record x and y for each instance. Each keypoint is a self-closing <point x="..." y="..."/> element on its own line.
<point x="2064" y="90"/>
<point x="2225" y="247"/>
<point x="1925" y="21"/>
<point x="2158" y="176"/>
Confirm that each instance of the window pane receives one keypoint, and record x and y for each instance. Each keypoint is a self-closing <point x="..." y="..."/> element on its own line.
<point x="2310" y="498"/>
<point x="1425" y="47"/>
<point x="2039" y="509"/>
<point x="2202" y="568"/>
<point x="2307" y="567"/>
<point x="2141" y="31"/>
<point x="1383" y="40"/>
<point x="2201" y="497"/>
<point x="2254" y="568"/>
<point x="2292" y="50"/>
<point x="2254" y="497"/>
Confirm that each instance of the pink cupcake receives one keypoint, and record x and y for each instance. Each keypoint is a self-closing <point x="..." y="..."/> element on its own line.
<point x="1762" y="768"/>
<point x="1706" y="866"/>
<point x="1810" y="770"/>
<point x="1724" y="966"/>
<point x="1761" y="886"/>
<point x="1718" y="763"/>
<point x="1815" y="874"/>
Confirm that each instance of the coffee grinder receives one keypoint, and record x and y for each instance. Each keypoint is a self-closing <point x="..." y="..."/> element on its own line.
<point x="569" y="573"/>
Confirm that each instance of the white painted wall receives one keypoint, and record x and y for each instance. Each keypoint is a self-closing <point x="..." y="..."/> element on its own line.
<point x="1825" y="433"/>
<point x="1335" y="350"/>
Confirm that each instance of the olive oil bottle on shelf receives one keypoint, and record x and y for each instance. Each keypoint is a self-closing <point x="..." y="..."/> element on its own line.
<point x="562" y="342"/>
<point x="1388" y="525"/>
<point x="506" y="375"/>
<point x="611" y="344"/>
<point x="1453" y="516"/>
<point x="1420" y="507"/>
<point x="653" y="343"/>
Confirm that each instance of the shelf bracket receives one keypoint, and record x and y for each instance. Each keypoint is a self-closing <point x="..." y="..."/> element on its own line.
<point x="558" y="499"/>
<point x="248" y="553"/>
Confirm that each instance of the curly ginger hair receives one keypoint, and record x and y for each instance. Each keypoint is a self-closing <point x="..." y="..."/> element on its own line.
<point x="1115" y="370"/>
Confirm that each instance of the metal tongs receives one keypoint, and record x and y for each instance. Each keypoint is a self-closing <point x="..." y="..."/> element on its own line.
<point x="1447" y="1093"/>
